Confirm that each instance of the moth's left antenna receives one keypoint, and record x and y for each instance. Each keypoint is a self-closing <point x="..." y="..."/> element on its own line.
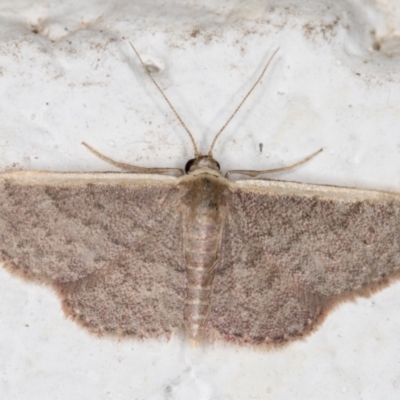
<point x="196" y="152"/>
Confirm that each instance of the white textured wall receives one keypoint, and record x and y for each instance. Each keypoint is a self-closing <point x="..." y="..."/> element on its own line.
<point x="68" y="74"/>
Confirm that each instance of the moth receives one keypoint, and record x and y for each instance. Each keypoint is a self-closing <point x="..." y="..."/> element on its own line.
<point x="144" y="254"/>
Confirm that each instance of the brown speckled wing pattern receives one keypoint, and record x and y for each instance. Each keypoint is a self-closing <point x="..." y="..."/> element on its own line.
<point x="112" y="250"/>
<point x="292" y="254"/>
<point x="112" y="247"/>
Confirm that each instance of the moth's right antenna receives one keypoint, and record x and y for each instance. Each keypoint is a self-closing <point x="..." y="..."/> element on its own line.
<point x="196" y="152"/>
<point x="241" y="103"/>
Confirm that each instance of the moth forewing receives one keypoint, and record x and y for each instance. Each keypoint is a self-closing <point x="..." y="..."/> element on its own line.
<point x="292" y="251"/>
<point x="100" y="240"/>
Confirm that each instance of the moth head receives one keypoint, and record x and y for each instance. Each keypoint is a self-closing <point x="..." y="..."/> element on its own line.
<point x="202" y="162"/>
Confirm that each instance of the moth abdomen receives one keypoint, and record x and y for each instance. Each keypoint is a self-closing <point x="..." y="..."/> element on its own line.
<point x="201" y="253"/>
<point x="202" y="241"/>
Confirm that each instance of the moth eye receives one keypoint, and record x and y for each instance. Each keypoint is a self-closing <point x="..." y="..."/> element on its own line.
<point x="189" y="165"/>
